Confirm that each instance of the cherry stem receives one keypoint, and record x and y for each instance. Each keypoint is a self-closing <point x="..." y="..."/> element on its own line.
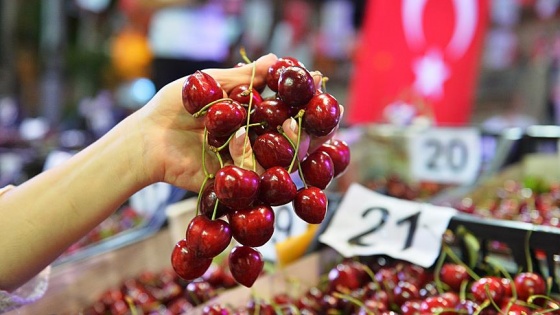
<point x="204" y="142"/>
<point x="353" y="300"/>
<point x="456" y="259"/>
<point x="215" y="209"/>
<point x="496" y="264"/>
<point x="219" y="156"/>
<point x="299" y="117"/>
<point x="490" y="298"/>
<point x="203" y="110"/>
<point x="243" y="54"/>
<point x="245" y="141"/>
<point x="482" y="307"/>
<point x="463" y="290"/>
<point x="528" y="251"/>
<point x="324" y="83"/>
<point x="199" y="198"/>
<point x="437" y="270"/>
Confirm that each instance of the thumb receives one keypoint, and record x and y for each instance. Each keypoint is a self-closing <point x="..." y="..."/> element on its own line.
<point x="243" y="157"/>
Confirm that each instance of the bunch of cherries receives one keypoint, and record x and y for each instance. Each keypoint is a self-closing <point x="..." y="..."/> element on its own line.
<point x="236" y="202"/>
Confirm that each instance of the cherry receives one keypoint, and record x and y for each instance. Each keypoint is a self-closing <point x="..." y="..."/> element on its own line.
<point x="452" y="297"/>
<point x="276" y="186"/>
<point x="318" y="169"/>
<point x="215" y="309"/>
<point x="322" y="115"/>
<point x="224" y="118"/>
<point x="273" y="74"/>
<point x="411" y="307"/>
<point x="245" y="264"/>
<point x="435" y="305"/>
<point x="208" y="200"/>
<point x="236" y="187"/>
<point x="492" y="284"/>
<point x="199" y="291"/>
<point x="252" y="226"/>
<point x="185" y="262"/>
<point x="414" y="274"/>
<point x="372" y="305"/>
<point x="348" y="275"/>
<point x="310" y="205"/>
<point x="270" y="113"/>
<point x="200" y="89"/>
<point x="273" y="149"/>
<point x="242" y="95"/>
<point x="453" y="275"/>
<point x="405" y="291"/>
<point x="387" y="276"/>
<point x="339" y="151"/>
<point x="528" y="284"/>
<point x="296" y="86"/>
<point x="207" y="238"/>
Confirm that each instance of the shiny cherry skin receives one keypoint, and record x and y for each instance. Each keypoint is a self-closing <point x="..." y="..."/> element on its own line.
<point x="405" y="291"/>
<point x="200" y="89"/>
<point x="434" y="304"/>
<point x="339" y="151"/>
<point x="236" y="187"/>
<point x="277" y="187"/>
<point x="453" y="275"/>
<point x="528" y="284"/>
<point x="245" y="264"/>
<point x="318" y="169"/>
<point x="322" y="115"/>
<point x="310" y="205"/>
<point x="273" y="149"/>
<point x="411" y="307"/>
<point x="215" y="309"/>
<point x="208" y="238"/>
<point x="252" y="226"/>
<point x="494" y="286"/>
<point x="225" y="118"/>
<point x="296" y="86"/>
<point x="270" y="113"/>
<point x="185" y="262"/>
<point x="208" y="200"/>
<point x="274" y="71"/>
<point x="242" y="95"/>
<point x="346" y="276"/>
<point x="199" y="291"/>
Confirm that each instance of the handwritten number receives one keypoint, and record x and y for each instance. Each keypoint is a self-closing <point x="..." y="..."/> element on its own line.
<point x="413" y="219"/>
<point x="357" y="240"/>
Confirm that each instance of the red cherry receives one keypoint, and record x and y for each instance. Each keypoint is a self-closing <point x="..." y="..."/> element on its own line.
<point x="318" y="169"/>
<point x="492" y="284"/>
<point x="225" y="118"/>
<point x="215" y="309"/>
<point x="322" y="115"/>
<point x="199" y="291"/>
<point x="273" y="149"/>
<point x="387" y="276"/>
<point x="271" y="113"/>
<point x="310" y="205"/>
<point x="296" y="86"/>
<point x="277" y="187"/>
<point x="339" y="151"/>
<point x="411" y="307"/>
<point x="185" y="262"/>
<point x="435" y="305"/>
<point x="348" y="275"/>
<point x="242" y="95"/>
<point x="252" y="226"/>
<point x="453" y="275"/>
<point x="372" y="306"/>
<point x="208" y="200"/>
<point x="273" y="74"/>
<point x="405" y="291"/>
<point x="236" y="187"/>
<point x="245" y="264"/>
<point x="200" y="89"/>
<point x="208" y="238"/>
<point x="528" y="284"/>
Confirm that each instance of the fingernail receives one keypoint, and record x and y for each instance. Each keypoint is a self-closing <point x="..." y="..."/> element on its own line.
<point x="240" y="133"/>
<point x="293" y="124"/>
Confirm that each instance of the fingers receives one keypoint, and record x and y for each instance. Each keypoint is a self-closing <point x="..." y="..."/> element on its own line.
<point x="291" y="128"/>
<point x="231" y="77"/>
<point x="243" y="158"/>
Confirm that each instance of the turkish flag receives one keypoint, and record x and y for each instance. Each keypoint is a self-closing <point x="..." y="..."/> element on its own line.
<point x="423" y="53"/>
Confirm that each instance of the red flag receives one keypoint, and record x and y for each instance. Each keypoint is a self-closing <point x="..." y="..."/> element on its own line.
<point x="420" y="52"/>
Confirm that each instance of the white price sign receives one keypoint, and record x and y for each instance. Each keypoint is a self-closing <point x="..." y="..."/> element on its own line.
<point x="286" y="224"/>
<point x="446" y="155"/>
<point x="368" y="223"/>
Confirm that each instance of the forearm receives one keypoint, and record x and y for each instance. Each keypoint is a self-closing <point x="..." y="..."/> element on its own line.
<point x="45" y="215"/>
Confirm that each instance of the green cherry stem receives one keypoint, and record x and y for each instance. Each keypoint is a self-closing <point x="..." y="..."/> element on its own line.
<point x="353" y="300"/>
<point x="203" y="110"/>
<point x="245" y="141"/>
<point x="243" y="54"/>
<point x="299" y="117"/>
<point x="437" y="271"/>
<point x="456" y="259"/>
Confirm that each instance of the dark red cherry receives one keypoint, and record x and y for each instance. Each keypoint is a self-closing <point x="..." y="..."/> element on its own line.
<point x="435" y="305"/>
<point x="200" y="89"/>
<point x="270" y="113"/>
<point x="453" y="275"/>
<point x="322" y="115"/>
<point x="277" y="187"/>
<point x="199" y="291"/>
<point x="185" y="262"/>
<point x="236" y="187"/>
<point x="339" y="151"/>
<point x="242" y="95"/>
<point x="274" y="71"/>
<point x="346" y="276"/>
<point x="208" y="238"/>
<point x="411" y="307"/>
<point x="318" y="169"/>
<point x="485" y="286"/>
<point x="528" y="284"/>
<point x="273" y="149"/>
<point x="224" y="118"/>
<point x="405" y="291"/>
<point x="252" y="226"/>
<point x="296" y="86"/>
<point x="245" y="264"/>
<point x="215" y="309"/>
<point x="208" y="200"/>
<point x="310" y="205"/>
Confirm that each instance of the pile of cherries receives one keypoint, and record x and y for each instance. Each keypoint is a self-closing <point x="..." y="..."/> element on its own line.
<point x="236" y="202"/>
<point x="399" y="287"/>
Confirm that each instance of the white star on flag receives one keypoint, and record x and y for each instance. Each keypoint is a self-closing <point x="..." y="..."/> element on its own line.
<point x="430" y="71"/>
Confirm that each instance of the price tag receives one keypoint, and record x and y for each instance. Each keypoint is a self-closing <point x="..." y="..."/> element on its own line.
<point x="286" y="224"/>
<point x="368" y="223"/>
<point x="446" y="155"/>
